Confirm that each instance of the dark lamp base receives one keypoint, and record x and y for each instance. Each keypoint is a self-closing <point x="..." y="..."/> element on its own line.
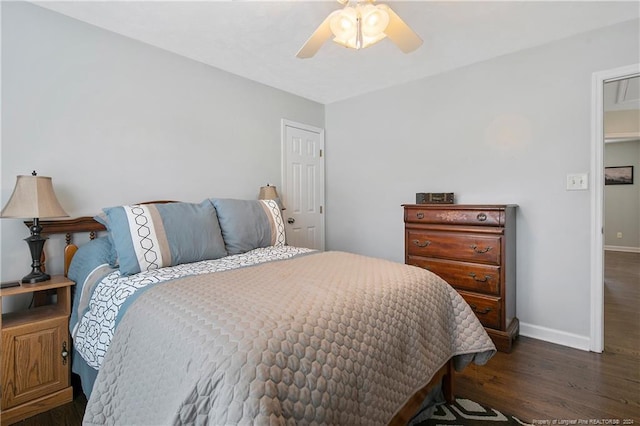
<point x="36" y="277"/>
<point x="36" y="244"/>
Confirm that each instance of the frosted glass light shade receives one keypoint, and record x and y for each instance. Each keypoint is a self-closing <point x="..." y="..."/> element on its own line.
<point x="344" y="24"/>
<point x="374" y="21"/>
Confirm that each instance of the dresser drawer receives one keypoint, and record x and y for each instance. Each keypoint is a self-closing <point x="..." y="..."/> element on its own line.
<point x="488" y="309"/>
<point x="445" y="245"/>
<point x="474" y="217"/>
<point x="462" y="275"/>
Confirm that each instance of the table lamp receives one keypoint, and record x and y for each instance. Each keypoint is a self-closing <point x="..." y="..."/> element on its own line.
<point x="33" y="197"/>
<point x="269" y="192"/>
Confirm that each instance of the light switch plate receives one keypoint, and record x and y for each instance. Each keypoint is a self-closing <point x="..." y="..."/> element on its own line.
<point x="577" y="181"/>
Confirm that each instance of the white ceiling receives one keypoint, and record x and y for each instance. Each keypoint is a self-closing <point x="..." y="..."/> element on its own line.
<point x="259" y="39"/>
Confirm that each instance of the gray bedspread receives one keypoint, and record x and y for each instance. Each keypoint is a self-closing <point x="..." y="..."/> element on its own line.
<point x="329" y="338"/>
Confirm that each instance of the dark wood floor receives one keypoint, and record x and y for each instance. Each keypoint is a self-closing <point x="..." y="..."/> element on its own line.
<point x="543" y="381"/>
<point x="622" y="303"/>
<point x="539" y="380"/>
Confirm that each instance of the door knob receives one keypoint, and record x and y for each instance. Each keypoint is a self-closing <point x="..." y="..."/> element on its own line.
<point x="291" y="220"/>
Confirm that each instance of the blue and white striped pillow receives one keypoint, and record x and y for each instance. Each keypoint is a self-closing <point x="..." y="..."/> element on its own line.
<point x="152" y="236"/>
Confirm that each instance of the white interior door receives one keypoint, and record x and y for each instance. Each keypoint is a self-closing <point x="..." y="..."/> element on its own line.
<point x="303" y="184"/>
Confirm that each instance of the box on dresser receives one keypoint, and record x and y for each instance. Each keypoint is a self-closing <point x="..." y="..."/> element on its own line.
<point x="473" y="248"/>
<point x="434" y="198"/>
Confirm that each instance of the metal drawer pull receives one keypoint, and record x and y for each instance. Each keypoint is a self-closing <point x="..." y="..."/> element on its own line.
<point x="481" y="217"/>
<point x="475" y="248"/>
<point x="419" y="244"/>
<point x="483" y="312"/>
<point x="420" y="215"/>
<point x="480" y="280"/>
<point x="64" y="353"/>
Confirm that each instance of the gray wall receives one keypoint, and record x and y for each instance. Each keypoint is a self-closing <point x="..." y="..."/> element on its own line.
<point x="622" y="202"/>
<point x="507" y="130"/>
<point x="116" y="121"/>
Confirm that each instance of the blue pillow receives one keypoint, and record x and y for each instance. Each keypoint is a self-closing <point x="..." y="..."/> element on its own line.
<point x="96" y="252"/>
<point x="250" y="224"/>
<point x="94" y="259"/>
<point x="102" y="220"/>
<point x="152" y="236"/>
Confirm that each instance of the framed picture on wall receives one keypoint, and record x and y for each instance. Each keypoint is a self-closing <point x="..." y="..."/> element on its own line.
<point x="618" y="175"/>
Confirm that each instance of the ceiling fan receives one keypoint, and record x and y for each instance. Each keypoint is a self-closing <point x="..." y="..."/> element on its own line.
<point x="360" y="26"/>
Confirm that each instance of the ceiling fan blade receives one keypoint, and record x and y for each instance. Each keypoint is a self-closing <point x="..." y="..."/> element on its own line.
<point x="400" y="33"/>
<point x="317" y="39"/>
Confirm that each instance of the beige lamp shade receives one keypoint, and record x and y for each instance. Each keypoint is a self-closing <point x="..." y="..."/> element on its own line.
<point x="33" y="197"/>
<point x="268" y="193"/>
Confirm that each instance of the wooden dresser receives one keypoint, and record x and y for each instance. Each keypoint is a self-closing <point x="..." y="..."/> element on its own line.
<point x="473" y="248"/>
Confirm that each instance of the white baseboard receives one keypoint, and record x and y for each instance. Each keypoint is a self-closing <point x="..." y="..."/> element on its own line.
<point x="555" y="336"/>
<point x="623" y="248"/>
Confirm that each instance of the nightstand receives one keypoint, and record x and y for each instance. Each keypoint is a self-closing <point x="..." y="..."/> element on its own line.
<point x="36" y="352"/>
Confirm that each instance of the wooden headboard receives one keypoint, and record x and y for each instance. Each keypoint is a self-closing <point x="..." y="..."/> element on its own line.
<point x="69" y="227"/>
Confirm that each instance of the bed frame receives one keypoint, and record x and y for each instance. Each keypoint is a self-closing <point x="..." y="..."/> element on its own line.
<point x="69" y="227"/>
<point x="408" y="410"/>
<point x="87" y="224"/>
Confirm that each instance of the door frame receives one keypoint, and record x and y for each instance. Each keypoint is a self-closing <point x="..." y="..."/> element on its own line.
<point x="597" y="198"/>
<point x="283" y="169"/>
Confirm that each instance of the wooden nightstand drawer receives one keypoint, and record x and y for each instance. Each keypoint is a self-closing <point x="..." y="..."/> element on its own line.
<point x="487" y="309"/>
<point x="450" y="245"/>
<point x="462" y="275"/>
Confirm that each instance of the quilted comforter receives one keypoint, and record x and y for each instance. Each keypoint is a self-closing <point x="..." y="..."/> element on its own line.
<point x="330" y="337"/>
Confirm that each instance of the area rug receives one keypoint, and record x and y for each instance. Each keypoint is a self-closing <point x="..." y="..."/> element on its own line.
<point x="464" y="412"/>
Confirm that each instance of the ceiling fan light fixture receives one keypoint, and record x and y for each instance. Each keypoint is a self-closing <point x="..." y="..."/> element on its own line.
<point x="359" y="27"/>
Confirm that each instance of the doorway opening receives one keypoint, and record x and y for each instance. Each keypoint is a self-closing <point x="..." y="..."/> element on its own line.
<point x="622" y="216"/>
<point x="597" y="198"/>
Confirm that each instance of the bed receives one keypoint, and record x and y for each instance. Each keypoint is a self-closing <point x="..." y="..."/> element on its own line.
<point x="201" y="314"/>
